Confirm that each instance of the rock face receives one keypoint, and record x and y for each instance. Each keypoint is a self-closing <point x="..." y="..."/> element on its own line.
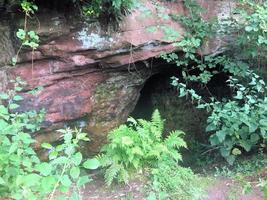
<point x="91" y="77"/>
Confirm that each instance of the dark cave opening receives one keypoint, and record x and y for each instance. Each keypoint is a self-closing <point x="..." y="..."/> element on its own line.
<point x="159" y="83"/>
<point x="179" y="113"/>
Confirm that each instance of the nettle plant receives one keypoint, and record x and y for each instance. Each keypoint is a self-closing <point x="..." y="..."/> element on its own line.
<point x="237" y="124"/>
<point x="140" y="144"/>
<point x="251" y="26"/>
<point x="22" y="174"/>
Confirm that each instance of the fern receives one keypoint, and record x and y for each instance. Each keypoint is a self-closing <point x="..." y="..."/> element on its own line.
<point x="175" y="140"/>
<point x="137" y="145"/>
<point x="157" y="122"/>
<point x="111" y="173"/>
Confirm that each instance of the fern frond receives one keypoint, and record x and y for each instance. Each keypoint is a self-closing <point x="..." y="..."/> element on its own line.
<point x="112" y="173"/>
<point x="157" y="122"/>
<point x="123" y="175"/>
<point x="104" y="160"/>
<point x="175" y="139"/>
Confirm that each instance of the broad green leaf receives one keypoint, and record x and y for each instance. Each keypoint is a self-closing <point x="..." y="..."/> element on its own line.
<point x="32" y="180"/>
<point x="47" y="146"/>
<point x="75" y="172"/>
<point x="77" y="158"/>
<point x="91" y="164"/>
<point x="65" y="180"/>
<point x="44" y="168"/>
<point x="221" y="135"/>
<point x="48" y="183"/>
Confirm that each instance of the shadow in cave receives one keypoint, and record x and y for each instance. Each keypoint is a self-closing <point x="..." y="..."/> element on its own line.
<point x="156" y="85"/>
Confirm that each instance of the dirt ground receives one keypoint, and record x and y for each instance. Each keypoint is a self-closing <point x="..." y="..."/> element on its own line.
<point x="222" y="189"/>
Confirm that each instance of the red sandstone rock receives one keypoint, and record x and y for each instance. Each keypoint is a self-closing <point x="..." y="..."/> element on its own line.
<point x="87" y="73"/>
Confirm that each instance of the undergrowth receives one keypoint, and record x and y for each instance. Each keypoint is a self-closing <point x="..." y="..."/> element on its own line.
<point x="22" y="174"/>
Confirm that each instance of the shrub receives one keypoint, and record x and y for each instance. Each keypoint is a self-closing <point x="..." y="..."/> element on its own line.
<point x="236" y="124"/>
<point x="137" y="145"/>
<point x="171" y="181"/>
<point x="22" y="174"/>
<point x="251" y="42"/>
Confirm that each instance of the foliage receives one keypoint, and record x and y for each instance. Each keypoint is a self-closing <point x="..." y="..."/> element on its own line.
<point x="246" y="167"/>
<point x="171" y="181"/>
<point x="133" y="147"/>
<point x="236" y="124"/>
<point x="251" y="26"/>
<point x="197" y="31"/>
<point x="111" y="8"/>
<point x="27" y="38"/>
<point x="22" y="174"/>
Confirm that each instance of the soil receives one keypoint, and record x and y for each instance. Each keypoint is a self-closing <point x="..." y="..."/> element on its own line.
<point x="222" y="189"/>
<point x="227" y="189"/>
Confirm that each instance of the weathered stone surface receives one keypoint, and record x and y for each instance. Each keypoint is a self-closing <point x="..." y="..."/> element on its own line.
<point x="93" y="75"/>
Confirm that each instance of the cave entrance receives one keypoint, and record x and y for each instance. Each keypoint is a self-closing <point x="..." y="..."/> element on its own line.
<point x="179" y="113"/>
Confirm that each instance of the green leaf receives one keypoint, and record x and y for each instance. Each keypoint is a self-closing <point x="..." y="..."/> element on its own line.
<point x="263" y="122"/>
<point x="2" y="181"/>
<point x="77" y="158"/>
<point x="254" y="138"/>
<point x="225" y="152"/>
<point x="44" y="168"/>
<point x="65" y="180"/>
<point x="248" y="28"/>
<point x="4" y="96"/>
<point x="221" y="135"/>
<point x="75" y="172"/>
<point x="3" y="110"/>
<point x="246" y="145"/>
<point x="46" y="146"/>
<point x="21" y="34"/>
<point x="17" y="98"/>
<point x="32" y="180"/>
<point x="48" y="183"/>
<point x="239" y="95"/>
<point x="53" y="155"/>
<point x="214" y="140"/>
<point x="18" y="89"/>
<point x="91" y="164"/>
<point x="83" y="180"/>
<point x="13" y="106"/>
